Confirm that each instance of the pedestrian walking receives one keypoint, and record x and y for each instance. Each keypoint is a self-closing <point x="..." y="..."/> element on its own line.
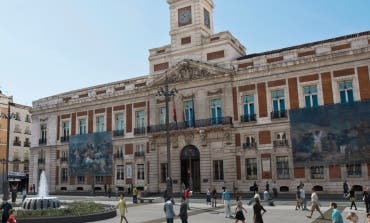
<point x="239" y="215"/>
<point x="303" y="198"/>
<point x="109" y="191"/>
<point x="187" y="194"/>
<point x="366" y="199"/>
<point x="214" y="197"/>
<point x="298" y="198"/>
<point x="208" y="197"/>
<point x="183" y="211"/>
<point x="255" y="187"/>
<point x="134" y="195"/>
<point x="274" y="189"/>
<point x="122" y="207"/>
<point x="352" y="198"/>
<point x="352" y="217"/>
<point x="257" y="209"/>
<point x="336" y="217"/>
<point x="226" y="197"/>
<point x="267" y="186"/>
<point x="168" y="210"/>
<point x="11" y="218"/>
<point x="345" y="189"/>
<point x="165" y="195"/>
<point x="6" y="207"/>
<point x="24" y="194"/>
<point x="315" y="204"/>
<point x="14" y="193"/>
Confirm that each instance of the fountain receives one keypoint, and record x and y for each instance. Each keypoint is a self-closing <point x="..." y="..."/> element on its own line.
<point x="42" y="201"/>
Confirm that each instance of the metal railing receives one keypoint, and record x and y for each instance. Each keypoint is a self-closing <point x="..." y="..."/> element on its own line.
<point x="279" y="114"/>
<point x="41" y="161"/>
<point x="64" y="159"/>
<point x="26" y="144"/>
<point x="281" y="143"/>
<point x="191" y="124"/>
<point x="250" y="145"/>
<point x="140" y="154"/>
<point x="248" y="118"/>
<point x="118" y="133"/>
<point x="140" y="131"/>
<point x="64" y="138"/>
<point x="42" y="141"/>
<point x="17" y="143"/>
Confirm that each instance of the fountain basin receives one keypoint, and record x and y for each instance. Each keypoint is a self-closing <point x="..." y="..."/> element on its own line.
<point x="34" y="203"/>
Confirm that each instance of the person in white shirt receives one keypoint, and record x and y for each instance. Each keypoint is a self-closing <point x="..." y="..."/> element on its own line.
<point x="303" y="198"/>
<point x="315" y="204"/>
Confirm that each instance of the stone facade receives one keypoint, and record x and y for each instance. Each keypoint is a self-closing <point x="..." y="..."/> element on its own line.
<point x="212" y="74"/>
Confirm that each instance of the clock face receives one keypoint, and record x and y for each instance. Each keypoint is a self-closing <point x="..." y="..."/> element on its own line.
<point x="184" y="16"/>
<point x="207" y="20"/>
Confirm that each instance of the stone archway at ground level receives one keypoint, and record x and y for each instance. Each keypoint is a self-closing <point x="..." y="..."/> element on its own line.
<point x="190" y="167"/>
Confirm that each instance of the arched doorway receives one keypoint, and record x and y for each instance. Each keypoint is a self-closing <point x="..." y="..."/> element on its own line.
<point x="190" y="167"/>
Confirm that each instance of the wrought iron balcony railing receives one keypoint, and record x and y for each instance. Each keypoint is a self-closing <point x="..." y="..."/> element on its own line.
<point x="250" y="145"/>
<point x="64" y="159"/>
<point x="140" y="154"/>
<point x="42" y="141"/>
<point x="64" y="138"/>
<point x="279" y="114"/>
<point x="118" y="133"/>
<point x="41" y="161"/>
<point x="248" y="118"/>
<point x="139" y="131"/>
<point x="17" y="143"/>
<point x="26" y="144"/>
<point x="281" y="143"/>
<point x="118" y="155"/>
<point x="191" y="124"/>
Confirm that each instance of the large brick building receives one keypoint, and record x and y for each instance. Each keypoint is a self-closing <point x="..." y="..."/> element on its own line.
<point x="231" y="121"/>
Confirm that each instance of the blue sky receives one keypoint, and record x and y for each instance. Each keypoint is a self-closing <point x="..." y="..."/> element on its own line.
<point x="53" y="46"/>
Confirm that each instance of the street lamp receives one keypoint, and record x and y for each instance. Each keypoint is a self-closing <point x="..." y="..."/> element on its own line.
<point x="166" y="92"/>
<point x="5" y="181"/>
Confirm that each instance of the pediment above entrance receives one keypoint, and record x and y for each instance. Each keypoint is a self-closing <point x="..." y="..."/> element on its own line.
<point x="189" y="70"/>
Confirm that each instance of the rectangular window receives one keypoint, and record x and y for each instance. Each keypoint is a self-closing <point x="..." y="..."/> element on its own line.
<point x="354" y="170"/>
<point x="346" y="92"/>
<point x="216" y="111"/>
<point x="16" y="166"/>
<point x="140" y="171"/>
<point x="218" y="170"/>
<point x="120" y="172"/>
<point x="98" y="179"/>
<point x="64" y="175"/>
<point x="248" y="109"/>
<point x="119" y="125"/>
<point x="100" y="124"/>
<point x="140" y="117"/>
<point x="163" y="172"/>
<point x="81" y="180"/>
<point x="250" y="143"/>
<point x="189" y="113"/>
<point x="310" y="96"/>
<point x="317" y="172"/>
<point x="251" y="168"/>
<point x="282" y="167"/>
<point x="66" y="125"/>
<point x="162" y="116"/>
<point x="278" y="103"/>
<point x="82" y="126"/>
<point x="43" y="133"/>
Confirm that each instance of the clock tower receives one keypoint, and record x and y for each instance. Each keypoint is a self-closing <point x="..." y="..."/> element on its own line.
<point x="191" y="22"/>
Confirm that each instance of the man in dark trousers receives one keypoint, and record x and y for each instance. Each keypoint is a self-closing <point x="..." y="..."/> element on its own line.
<point x="345" y="189"/>
<point x="366" y="198"/>
<point x="6" y="207"/>
<point x="183" y="211"/>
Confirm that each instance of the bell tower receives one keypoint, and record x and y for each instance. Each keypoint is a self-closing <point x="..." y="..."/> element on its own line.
<point x="191" y="21"/>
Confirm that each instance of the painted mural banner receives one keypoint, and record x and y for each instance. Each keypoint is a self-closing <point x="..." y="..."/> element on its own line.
<point x="331" y="134"/>
<point x="90" y="154"/>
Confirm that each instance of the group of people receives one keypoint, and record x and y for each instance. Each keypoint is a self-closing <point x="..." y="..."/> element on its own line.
<point x="8" y="212"/>
<point x="351" y="195"/>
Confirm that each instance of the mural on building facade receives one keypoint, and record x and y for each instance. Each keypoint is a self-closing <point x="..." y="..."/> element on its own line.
<point x="90" y="153"/>
<point x="331" y="134"/>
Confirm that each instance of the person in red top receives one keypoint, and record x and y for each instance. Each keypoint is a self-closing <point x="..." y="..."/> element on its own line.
<point x="187" y="194"/>
<point x="11" y="218"/>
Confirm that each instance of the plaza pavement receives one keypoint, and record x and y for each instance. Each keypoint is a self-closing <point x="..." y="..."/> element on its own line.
<point x="283" y="211"/>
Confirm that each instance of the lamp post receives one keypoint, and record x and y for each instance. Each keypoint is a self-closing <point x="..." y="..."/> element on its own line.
<point x="166" y="92"/>
<point x="5" y="181"/>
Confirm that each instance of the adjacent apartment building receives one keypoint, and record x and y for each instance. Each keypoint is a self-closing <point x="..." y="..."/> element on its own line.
<point x="19" y="141"/>
<point x="291" y="115"/>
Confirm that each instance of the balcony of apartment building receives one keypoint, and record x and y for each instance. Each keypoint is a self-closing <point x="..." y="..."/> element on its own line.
<point x="140" y="131"/>
<point x="118" y="155"/>
<point x="17" y="142"/>
<point x="118" y="133"/>
<point x="279" y="114"/>
<point x="27" y="143"/>
<point x="250" y="145"/>
<point x="28" y="119"/>
<point x="63" y="159"/>
<point x="41" y="160"/>
<point x="248" y="118"/>
<point x="64" y="139"/>
<point x="219" y="121"/>
<point x="17" y="130"/>
<point x="280" y="143"/>
<point x="42" y="141"/>
<point x="138" y="154"/>
<point x="27" y="132"/>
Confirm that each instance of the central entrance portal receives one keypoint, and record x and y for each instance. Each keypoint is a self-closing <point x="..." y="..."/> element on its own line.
<point x="190" y="167"/>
